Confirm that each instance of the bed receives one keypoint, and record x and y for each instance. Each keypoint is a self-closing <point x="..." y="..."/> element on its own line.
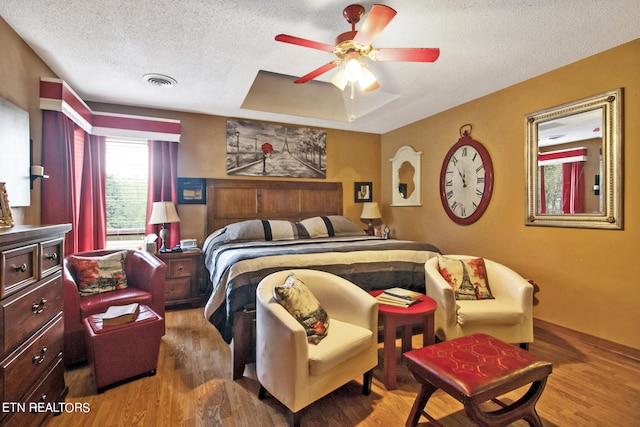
<point x="256" y="227"/>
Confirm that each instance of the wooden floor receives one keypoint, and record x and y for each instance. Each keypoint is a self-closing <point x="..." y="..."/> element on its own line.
<point x="588" y="387"/>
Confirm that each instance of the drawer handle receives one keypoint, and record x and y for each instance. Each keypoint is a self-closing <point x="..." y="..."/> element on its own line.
<point x="38" y="308"/>
<point x="53" y="256"/>
<point x="39" y="358"/>
<point x="22" y="268"/>
<point x="180" y="268"/>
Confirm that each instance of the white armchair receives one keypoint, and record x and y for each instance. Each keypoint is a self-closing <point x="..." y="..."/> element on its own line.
<point x="298" y="373"/>
<point x="508" y="317"/>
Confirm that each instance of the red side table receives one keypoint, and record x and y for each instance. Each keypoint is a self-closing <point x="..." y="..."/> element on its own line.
<point x="392" y="318"/>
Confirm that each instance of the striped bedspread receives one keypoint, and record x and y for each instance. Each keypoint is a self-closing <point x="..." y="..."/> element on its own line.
<point x="371" y="263"/>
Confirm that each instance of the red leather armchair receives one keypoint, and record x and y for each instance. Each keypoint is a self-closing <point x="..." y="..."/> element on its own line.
<point x="145" y="285"/>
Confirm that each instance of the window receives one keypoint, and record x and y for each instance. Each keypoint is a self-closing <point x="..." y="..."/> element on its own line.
<point x="127" y="168"/>
<point x="551" y="181"/>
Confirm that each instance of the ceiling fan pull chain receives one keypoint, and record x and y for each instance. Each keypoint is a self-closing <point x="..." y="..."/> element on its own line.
<point x="352" y="115"/>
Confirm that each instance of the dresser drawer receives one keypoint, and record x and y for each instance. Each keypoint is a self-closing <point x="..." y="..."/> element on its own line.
<point x="22" y="368"/>
<point x="19" y="269"/>
<point x="51" y="254"/>
<point x="176" y="289"/>
<point x="180" y="267"/>
<point x="50" y="389"/>
<point x="25" y="312"/>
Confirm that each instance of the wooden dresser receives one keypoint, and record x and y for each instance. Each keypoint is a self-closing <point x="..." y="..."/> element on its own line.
<point x="32" y="383"/>
<point x="186" y="277"/>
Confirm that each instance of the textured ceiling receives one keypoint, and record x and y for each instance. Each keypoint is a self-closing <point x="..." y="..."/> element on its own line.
<point x="217" y="49"/>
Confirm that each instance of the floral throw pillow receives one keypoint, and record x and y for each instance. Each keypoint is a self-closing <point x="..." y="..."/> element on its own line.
<point x="298" y="300"/>
<point x="467" y="277"/>
<point x="95" y="275"/>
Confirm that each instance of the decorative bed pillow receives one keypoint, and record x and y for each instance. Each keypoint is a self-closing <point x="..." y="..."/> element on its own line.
<point x="95" y="275"/>
<point x="467" y="277"/>
<point x="258" y="229"/>
<point x="298" y="300"/>
<point x="332" y="225"/>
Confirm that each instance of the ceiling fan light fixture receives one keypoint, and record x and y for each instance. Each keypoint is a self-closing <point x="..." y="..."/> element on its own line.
<point x="353" y="70"/>
<point x="339" y="79"/>
<point x="368" y="81"/>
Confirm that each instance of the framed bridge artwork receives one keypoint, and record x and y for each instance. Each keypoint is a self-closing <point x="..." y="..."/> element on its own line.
<point x="266" y="149"/>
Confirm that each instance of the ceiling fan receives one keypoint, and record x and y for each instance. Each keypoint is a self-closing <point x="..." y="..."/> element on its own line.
<point x="353" y="47"/>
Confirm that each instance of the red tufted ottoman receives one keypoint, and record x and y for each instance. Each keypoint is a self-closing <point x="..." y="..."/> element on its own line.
<point x="126" y="351"/>
<point x="474" y="369"/>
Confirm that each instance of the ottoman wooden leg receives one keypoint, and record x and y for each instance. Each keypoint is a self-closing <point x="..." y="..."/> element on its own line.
<point x="523" y="408"/>
<point x="419" y="404"/>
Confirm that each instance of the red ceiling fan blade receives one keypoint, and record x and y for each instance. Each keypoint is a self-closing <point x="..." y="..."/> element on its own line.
<point x="376" y="21"/>
<point x="305" y="43"/>
<point x="318" y="71"/>
<point x="418" y="54"/>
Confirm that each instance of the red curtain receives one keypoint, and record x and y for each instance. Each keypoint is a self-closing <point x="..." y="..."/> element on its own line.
<point x="92" y="216"/>
<point x="163" y="178"/>
<point x="74" y="193"/>
<point x="573" y="187"/>
<point x="58" y="154"/>
<point x="543" y="192"/>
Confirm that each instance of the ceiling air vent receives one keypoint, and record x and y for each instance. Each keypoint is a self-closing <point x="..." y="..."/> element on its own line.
<point x="160" y="80"/>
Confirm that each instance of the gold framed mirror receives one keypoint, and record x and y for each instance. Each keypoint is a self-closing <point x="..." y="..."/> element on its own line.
<point x="574" y="164"/>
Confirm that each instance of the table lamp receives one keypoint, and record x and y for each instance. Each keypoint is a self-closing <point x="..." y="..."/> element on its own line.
<point x="370" y="212"/>
<point x="163" y="213"/>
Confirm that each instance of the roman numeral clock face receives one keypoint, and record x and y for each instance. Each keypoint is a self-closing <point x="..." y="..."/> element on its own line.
<point x="466" y="181"/>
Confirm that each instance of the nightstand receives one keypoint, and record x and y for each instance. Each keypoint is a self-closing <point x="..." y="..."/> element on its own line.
<point x="186" y="277"/>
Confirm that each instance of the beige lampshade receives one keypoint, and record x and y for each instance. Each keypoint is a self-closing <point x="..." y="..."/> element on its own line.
<point x="163" y="212"/>
<point x="370" y="211"/>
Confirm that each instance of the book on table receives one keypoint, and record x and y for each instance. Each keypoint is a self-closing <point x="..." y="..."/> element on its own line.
<point x="388" y="299"/>
<point x="404" y="294"/>
<point x="119" y="314"/>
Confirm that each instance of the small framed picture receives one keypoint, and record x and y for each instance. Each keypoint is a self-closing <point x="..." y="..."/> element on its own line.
<point x="192" y="191"/>
<point x="6" y="219"/>
<point x="362" y="192"/>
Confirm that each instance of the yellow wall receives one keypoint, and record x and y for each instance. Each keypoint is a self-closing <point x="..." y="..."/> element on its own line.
<point x="587" y="278"/>
<point x="20" y="71"/>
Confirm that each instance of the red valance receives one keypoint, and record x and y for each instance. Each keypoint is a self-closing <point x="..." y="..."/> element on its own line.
<point x="56" y="95"/>
<point x="562" y="156"/>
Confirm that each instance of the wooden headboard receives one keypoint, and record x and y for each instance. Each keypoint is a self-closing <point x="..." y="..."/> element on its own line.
<point x="234" y="200"/>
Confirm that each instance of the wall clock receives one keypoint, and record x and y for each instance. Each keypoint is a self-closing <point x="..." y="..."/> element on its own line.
<point x="466" y="180"/>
